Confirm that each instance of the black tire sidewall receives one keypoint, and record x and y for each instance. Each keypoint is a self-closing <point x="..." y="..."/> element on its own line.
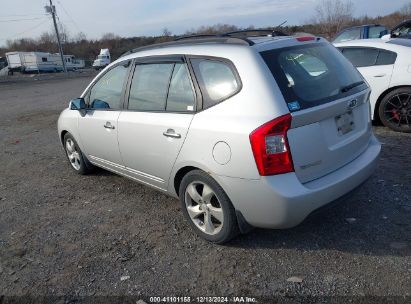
<point x="230" y="227"/>
<point x="381" y="110"/>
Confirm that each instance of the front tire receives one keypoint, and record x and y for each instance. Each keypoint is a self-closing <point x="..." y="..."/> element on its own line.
<point x="395" y="110"/>
<point x="77" y="160"/>
<point x="207" y="208"/>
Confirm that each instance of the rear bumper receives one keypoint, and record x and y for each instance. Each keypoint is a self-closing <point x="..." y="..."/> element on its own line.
<point x="282" y="201"/>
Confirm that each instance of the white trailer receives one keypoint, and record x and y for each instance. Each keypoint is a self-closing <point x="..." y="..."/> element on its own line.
<point x="27" y="62"/>
<point x="32" y="62"/>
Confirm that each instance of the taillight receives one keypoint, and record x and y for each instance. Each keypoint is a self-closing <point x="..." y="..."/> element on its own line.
<point x="305" y="38"/>
<point x="270" y="147"/>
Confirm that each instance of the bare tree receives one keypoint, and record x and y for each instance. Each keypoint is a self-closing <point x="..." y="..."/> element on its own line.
<point x="80" y="37"/>
<point x="213" y="29"/>
<point x="109" y="36"/>
<point x="332" y="15"/>
<point x="406" y="10"/>
<point x="167" y="32"/>
<point x="64" y="33"/>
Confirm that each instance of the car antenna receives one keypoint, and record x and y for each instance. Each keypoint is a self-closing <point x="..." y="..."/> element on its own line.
<point x="277" y="31"/>
<point x="280" y="25"/>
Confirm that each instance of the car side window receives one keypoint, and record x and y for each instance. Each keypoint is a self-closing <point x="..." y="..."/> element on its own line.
<point x="365" y="57"/>
<point x="181" y="94"/>
<point x="106" y="92"/>
<point x="377" y="31"/>
<point x="217" y="79"/>
<point x="386" y="57"/>
<point x="361" y="56"/>
<point x="348" y="35"/>
<point x="149" y="86"/>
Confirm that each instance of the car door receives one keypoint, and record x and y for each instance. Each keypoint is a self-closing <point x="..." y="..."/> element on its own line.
<point x="375" y="65"/>
<point x="98" y="127"/>
<point x="161" y="104"/>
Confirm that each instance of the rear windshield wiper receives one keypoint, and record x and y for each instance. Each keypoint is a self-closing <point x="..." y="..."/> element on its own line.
<point x="352" y="86"/>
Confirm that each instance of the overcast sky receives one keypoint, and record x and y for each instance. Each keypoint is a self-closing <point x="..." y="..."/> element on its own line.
<point x="23" y="18"/>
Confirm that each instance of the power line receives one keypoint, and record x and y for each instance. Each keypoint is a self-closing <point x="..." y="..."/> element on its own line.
<point x="21" y="15"/>
<point x="13" y="20"/>
<point x="68" y="15"/>
<point x="28" y="30"/>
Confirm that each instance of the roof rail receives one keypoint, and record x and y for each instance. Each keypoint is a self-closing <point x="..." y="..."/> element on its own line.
<point x="272" y="33"/>
<point x="196" y="36"/>
<point x="201" y="38"/>
<point x="230" y="38"/>
<point x="193" y="40"/>
<point x="234" y="34"/>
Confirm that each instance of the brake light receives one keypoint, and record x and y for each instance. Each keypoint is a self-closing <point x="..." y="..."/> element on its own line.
<point x="305" y="38"/>
<point x="270" y="147"/>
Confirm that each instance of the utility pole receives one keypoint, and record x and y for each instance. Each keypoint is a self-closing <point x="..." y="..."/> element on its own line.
<point x="52" y="10"/>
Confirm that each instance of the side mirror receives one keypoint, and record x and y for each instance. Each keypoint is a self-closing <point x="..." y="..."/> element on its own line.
<point x="78" y="104"/>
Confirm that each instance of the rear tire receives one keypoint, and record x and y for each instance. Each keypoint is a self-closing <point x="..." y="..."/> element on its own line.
<point x="78" y="162"/>
<point x="395" y="110"/>
<point x="207" y="208"/>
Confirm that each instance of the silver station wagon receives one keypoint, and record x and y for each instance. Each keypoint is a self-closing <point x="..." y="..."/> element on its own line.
<point x="247" y="131"/>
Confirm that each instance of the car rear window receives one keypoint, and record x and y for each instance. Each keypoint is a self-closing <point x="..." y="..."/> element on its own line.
<point x="312" y="74"/>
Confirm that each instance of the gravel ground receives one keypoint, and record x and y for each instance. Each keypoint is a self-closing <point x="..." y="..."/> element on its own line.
<point x="64" y="235"/>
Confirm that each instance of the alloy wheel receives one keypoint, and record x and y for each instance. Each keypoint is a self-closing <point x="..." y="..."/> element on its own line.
<point x="73" y="154"/>
<point x="204" y="208"/>
<point x="397" y="111"/>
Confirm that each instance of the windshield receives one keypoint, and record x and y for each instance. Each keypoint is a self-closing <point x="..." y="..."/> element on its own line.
<point x="312" y="74"/>
<point x="403" y="30"/>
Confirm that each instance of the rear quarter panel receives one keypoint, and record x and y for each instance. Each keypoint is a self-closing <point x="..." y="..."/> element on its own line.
<point x="402" y="69"/>
<point x="232" y="120"/>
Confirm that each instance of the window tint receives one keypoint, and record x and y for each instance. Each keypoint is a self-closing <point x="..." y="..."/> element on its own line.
<point x="312" y="74"/>
<point x="376" y="31"/>
<point x="386" y="57"/>
<point x="181" y="95"/>
<point x="149" y="87"/>
<point x="217" y="80"/>
<point x="361" y="57"/>
<point x="365" y="57"/>
<point x="348" y="35"/>
<point x="106" y="93"/>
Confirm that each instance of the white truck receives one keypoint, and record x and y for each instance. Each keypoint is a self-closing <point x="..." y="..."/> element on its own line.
<point x="103" y="59"/>
<point x="26" y="62"/>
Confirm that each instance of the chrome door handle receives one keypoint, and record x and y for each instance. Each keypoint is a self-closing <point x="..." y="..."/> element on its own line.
<point x="380" y="75"/>
<point x="108" y="125"/>
<point x="171" y="133"/>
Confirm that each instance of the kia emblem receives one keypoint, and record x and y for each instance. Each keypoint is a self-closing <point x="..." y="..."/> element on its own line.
<point x="353" y="103"/>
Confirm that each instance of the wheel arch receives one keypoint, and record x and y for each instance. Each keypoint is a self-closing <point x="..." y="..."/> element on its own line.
<point x="178" y="177"/>
<point x="62" y="134"/>
<point x="379" y="100"/>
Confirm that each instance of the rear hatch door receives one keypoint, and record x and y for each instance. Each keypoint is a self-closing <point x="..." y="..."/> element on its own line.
<point x="329" y="102"/>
